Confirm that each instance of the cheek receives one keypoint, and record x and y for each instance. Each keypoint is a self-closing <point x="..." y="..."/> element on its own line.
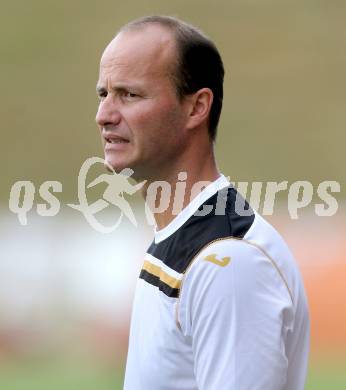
<point x="138" y="115"/>
<point x="145" y="120"/>
<point x="153" y="122"/>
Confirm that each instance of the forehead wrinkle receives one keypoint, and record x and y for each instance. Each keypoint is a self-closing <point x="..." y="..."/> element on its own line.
<point x="120" y="75"/>
<point x="139" y="69"/>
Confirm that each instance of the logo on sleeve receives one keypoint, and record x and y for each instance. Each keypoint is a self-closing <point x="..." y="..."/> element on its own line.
<point x="221" y="262"/>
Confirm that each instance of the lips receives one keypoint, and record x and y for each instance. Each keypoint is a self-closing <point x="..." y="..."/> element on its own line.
<point x="111" y="138"/>
<point x="116" y="141"/>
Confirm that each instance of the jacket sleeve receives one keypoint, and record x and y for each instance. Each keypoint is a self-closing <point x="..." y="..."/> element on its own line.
<point x="237" y="310"/>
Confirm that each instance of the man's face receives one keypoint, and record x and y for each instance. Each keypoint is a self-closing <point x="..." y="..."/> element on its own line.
<point x="140" y="117"/>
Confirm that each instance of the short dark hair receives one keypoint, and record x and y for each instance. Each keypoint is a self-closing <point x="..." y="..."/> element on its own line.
<point x="199" y="64"/>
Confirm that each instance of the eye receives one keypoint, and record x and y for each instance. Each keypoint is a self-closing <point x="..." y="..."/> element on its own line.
<point x="102" y="95"/>
<point x="130" y="95"/>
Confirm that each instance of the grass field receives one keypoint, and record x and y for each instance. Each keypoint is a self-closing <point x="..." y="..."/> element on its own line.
<point x="53" y="376"/>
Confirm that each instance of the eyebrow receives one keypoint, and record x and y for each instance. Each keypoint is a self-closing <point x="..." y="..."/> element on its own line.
<point x="118" y="88"/>
<point x="100" y="89"/>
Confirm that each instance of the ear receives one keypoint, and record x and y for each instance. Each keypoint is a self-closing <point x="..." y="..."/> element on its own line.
<point x="199" y="107"/>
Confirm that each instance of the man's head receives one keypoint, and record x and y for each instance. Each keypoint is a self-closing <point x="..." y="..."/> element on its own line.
<point x="197" y="64"/>
<point x="157" y="91"/>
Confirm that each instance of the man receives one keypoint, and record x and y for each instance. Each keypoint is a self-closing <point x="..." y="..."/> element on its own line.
<point x="219" y="302"/>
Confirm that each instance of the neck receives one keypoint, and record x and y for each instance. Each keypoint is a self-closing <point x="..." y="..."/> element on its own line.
<point x="181" y="185"/>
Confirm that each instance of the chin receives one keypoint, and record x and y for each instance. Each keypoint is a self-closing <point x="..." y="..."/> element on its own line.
<point x="115" y="165"/>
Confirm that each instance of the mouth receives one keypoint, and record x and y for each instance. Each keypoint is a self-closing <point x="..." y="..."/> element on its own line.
<point x="114" y="139"/>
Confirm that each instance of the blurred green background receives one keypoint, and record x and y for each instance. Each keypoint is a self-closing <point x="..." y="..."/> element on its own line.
<point x="284" y="118"/>
<point x="285" y="86"/>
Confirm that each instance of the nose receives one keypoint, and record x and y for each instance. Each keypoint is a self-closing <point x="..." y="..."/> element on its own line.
<point x="107" y="113"/>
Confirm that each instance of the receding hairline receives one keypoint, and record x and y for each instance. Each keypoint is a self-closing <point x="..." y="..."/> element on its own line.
<point x="169" y="23"/>
<point x="174" y="55"/>
<point x="136" y="29"/>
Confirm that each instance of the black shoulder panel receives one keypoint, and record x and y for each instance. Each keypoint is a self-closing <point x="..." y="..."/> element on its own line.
<point x="225" y="214"/>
